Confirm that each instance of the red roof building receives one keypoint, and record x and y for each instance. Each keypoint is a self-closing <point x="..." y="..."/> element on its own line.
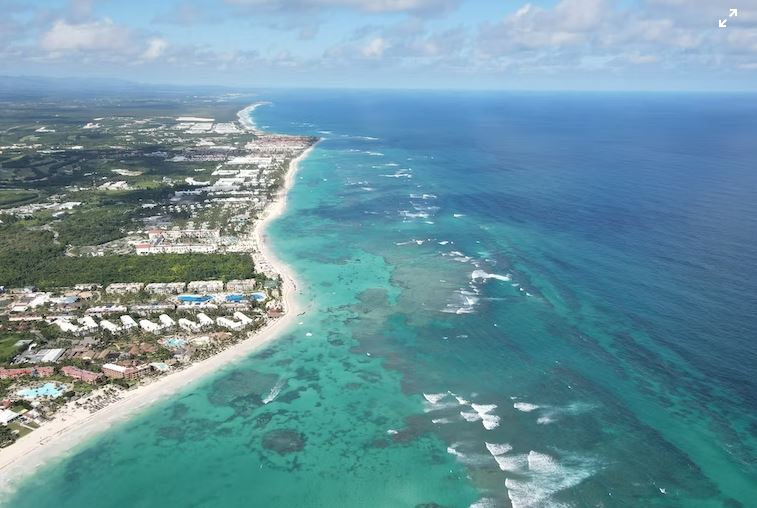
<point x="82" y="375"/>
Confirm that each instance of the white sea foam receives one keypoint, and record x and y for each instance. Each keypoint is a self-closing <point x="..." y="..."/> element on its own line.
<point x="457" y="215"/>
<point x="498" y="449"/>
<point x="444" y="242"/>
<point x="541" y="463"/>
<point x="483" y="413"/>
<point x="414" y="215"/>
<point x="484" y="502"/>
<point x="400" y="173"/>
<point x="374" y="154"/>
<point x="526" y="407"/>
<point x="512" y="463"/>
<point x="434" y="398"/>
<point x="544" y="420"/>
<point x="470" y="417"/>
<point x="392" y="432"/>
<point x="274" y="392"/>
<point x="545" y="477"/>
<point x="438" y="421"/>
<point x="482" y="275"/>
<point x="454" y="452"/>
<point x="490" y="421"/>
<point x="483" y="408"/>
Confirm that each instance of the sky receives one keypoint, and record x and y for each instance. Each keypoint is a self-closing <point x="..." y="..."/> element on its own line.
<point x="457" y="44"/>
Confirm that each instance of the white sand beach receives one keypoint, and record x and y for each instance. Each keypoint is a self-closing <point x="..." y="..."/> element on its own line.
<point x="72" y="426"/>
<point x="244" y="116"/>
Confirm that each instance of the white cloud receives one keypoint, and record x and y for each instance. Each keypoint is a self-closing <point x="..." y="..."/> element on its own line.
<point x="94" y="36"/>
<point x="375" y="48"/>
<point x="155" y="48"/>
<point x="370" y="6"/>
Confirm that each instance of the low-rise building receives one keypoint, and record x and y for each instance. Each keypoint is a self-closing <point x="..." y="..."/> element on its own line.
<point x="165" y="288"/>
<point x="81" y="374"/>
<point x="43" y="356"/>
<point x="66" y="326"/>
<point x="242" y="318"/>
<point x="204" y="319"/>
<point x="188" y="325"/>
<point x="115" y="371"/>
<point x="149" y="326"/>
<point x="120" y="288"/>
<point x="166" y="321"/>
<point x="205" y="286"/>
<point x="109" y="326"/>
<point x="127" y="322"/>
<point x="106" y="309"/>
<point x="7" y="416"/>
<point x="241" y="285"/>
<point x="27" y="371"/>
<point x="88" y="324"/>
<point x="229" y="323"/>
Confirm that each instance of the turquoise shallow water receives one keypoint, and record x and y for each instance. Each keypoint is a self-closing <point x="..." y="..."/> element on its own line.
<point x="513" y="300"/>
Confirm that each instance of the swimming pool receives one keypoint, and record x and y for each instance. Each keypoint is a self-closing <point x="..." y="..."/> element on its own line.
<point x="53" y="390"/>
<point x="174" y="342"/>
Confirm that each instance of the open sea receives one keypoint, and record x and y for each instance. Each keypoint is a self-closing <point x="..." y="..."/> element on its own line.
<point x="517" y="300"/>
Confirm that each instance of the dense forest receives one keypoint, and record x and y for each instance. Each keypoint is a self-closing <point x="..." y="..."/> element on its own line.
<point x="31" y="257"/>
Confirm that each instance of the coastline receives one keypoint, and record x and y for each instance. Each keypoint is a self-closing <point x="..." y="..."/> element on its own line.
<point x="71" y="427"/>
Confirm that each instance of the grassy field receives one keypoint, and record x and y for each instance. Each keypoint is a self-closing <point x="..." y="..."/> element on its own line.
<point x="7" y="348"/>
<point x="16" y="197"/>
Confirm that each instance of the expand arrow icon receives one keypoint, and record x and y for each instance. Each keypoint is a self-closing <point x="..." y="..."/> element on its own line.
<point x="722" y="23"/>
<point x="733" y="13"/>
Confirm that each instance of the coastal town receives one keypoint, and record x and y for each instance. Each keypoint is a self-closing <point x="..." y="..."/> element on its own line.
<point x="146" y="255"/>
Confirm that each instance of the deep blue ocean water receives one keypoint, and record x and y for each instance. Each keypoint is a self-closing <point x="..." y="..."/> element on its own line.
<point x="513" y="300"/>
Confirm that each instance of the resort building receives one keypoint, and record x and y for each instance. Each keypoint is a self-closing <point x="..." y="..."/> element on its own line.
<point x="106" y="309"/>
<point x="165" y="288"/>
<point x="115" y="371"/>
<point x="128" y="322"/>
<point x="229" y="323"/>
<point x="28" y="371"/>
<point x="66" y="326"/>
<point x="88" y="324"/>
<point x="241" y="285"/>
<point x="120" y="288"/>
<point x="205" y="286"/>
<point x="204" y="319"/>
<point x="190" y="326"/>
<point x="166" y="321"/>
<point x="242" y="318"/>
<point x="109" y="326"/>
<point x="82" y="375"/>
<point x="149" y="326"/>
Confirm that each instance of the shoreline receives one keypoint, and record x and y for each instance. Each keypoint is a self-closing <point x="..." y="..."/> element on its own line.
<point x="71" y="427"/>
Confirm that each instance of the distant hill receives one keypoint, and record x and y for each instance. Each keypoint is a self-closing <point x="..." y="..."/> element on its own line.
<point x="19" y="87"/>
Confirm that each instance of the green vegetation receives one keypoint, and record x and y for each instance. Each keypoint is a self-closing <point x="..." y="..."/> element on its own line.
<point x="94" y="226"/>
<point x="7" y="436"/>
<point x="7" y="346"/>
<point x="16" y="197"/>
<point x="61" y="271"/>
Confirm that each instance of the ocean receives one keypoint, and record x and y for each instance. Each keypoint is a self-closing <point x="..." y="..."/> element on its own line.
<point x="513" y="299"/>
